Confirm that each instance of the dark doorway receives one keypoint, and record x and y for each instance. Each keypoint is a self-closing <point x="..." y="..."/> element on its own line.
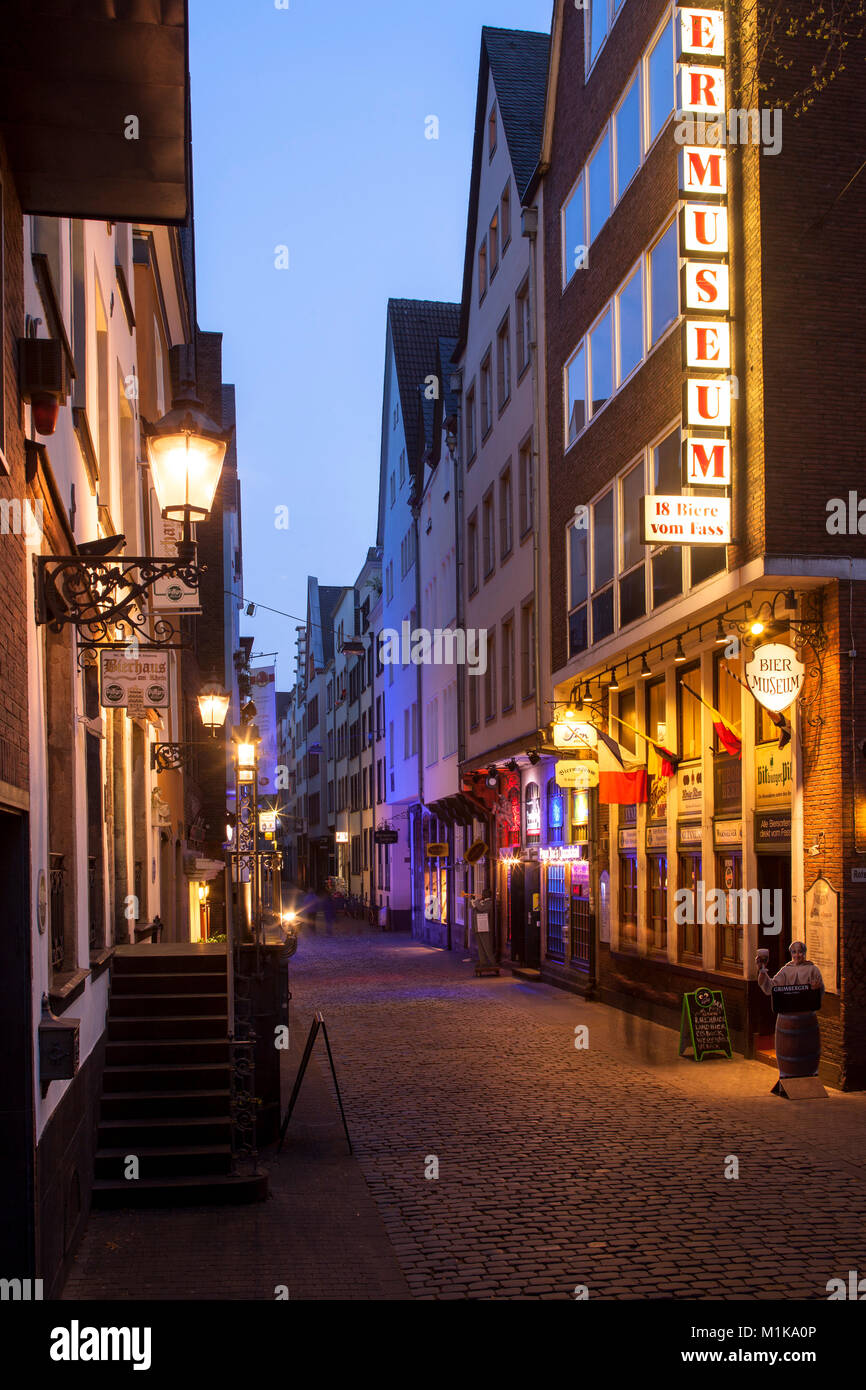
<point x="532" y="916"/>
<point x="17" y="1242"/>
<point x="774" y="877"/>
<point x="517" y="913"/>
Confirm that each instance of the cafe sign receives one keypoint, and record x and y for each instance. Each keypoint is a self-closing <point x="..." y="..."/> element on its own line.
<point x="138" y="682"/>
<point x="775" y="676"/>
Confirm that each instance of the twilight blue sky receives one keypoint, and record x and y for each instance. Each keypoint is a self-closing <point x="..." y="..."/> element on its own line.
<point x="308" y="132"/>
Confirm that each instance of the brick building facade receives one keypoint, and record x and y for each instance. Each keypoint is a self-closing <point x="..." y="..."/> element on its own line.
<point x="660" y="636"/>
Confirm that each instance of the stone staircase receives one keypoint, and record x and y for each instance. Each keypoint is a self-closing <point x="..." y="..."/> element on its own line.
<point x="166" y="1085"/>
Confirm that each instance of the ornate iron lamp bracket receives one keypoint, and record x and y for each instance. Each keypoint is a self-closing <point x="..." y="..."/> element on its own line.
<point x="96" y="595"/>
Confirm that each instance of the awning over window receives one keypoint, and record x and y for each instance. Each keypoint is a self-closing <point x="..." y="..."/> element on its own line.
<point x="94" y="107"/>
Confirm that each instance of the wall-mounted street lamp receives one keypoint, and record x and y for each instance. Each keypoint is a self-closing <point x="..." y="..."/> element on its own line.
<point x="96" y="592"/>
<point x="213" y="704"/>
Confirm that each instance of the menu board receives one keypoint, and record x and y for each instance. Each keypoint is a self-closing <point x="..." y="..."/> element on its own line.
<point x="704" y="1024"/>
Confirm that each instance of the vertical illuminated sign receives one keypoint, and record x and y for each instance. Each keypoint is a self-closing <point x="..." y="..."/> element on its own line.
<point x="704" y="240"/>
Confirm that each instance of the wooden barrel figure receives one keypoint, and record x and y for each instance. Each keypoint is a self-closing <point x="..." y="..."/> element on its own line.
<point x="798" y="1044"/>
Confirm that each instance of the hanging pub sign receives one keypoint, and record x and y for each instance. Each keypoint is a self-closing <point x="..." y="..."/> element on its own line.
<point x="171" y="592"/>
<point x="577" y="774"/>
<point x="138" y="682"/>
<point x="574" y="733"/>
<point x="775" y="676"/>
<point x="268" y="822"/>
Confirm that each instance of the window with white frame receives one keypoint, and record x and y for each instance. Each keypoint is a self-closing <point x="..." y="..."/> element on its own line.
<point x="661" y="77"/>
<point x="505" y="217"/>
<point x="525" y="485"/>
<point x="431" y="732"/>
<point x="503" y="362"/>
<point x="600" y="15"/>
<point x="664" y="296"/>
<point x="488" y="540"/>
<point x="493" y="243"/>
<point x="574" y="231"/>
<point x="507" y="635"/>
<point x="486" y="397"/>
<point x="522" y="327"/>
<point x="630" y="326"/>
<point x="613" y="578"/>
<point x="642" y="111"/>
<point x="482" y="269"/>
<point x="626" y="128"/>
<point x="616" y="344"/>
<point x="598" y="179"/>
<point x="470" y="424"/>
<point x="506" y="513"/>
<point x="472" y="551"/>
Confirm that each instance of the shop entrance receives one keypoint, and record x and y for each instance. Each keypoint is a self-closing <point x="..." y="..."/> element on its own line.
<point x="774" y="878"/>
<point x="532" y="915"/>
<point x="517" y="913"/>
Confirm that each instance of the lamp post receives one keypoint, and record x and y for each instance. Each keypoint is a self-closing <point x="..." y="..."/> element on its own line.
<point x="213" y="704"/>
<point x="246" y="740"/>
<point x="96" y="591"/>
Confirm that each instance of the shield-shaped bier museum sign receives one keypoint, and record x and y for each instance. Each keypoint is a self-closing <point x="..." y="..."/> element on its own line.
<point x="775" y="676"/>
<point x="134" y="681"/>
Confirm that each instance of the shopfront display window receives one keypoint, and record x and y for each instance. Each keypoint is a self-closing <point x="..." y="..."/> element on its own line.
<point x="657" y="901"/>
<point x="691" y="930"/>
<point x="628" y="898"/>
<point x="729" y="877"/>
<point x="557" y="911"/>
<point x="555" y="813"/>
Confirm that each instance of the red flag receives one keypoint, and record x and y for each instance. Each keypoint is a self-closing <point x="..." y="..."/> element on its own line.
<point x="619" y="784"/>
<point x="729" y="740"/>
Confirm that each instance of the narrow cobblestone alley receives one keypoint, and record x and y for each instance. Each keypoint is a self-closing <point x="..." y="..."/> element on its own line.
<point x="557" y="1166"/>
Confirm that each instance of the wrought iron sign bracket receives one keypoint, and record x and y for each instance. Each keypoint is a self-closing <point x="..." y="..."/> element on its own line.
<point x="171" y="757"/>
<point x="96" y="594"/>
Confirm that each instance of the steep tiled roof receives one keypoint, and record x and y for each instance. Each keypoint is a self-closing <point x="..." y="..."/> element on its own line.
<point x="518" y="62"/>
<point x="416" y="327"/>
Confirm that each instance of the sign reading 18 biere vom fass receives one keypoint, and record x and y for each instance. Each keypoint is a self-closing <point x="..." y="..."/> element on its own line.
<point x="701" y="517"/>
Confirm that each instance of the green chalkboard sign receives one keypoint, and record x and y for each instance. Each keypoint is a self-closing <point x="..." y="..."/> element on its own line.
<point x="704" y="1024"/>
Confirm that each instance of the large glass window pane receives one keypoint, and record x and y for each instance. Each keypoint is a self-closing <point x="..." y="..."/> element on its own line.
<point x="597" y="26"/>
<point x="602" y="615"/>
<point x="602" y="541"/>
<point x="575" y="233"/>
<point x="630" y="520"/>
<point x="661" y="80"/>
<point x="627" y="122"/>
<point x="667" y="466"/>
<point x="577" y="559"/>
<point x="599" y="188"/>
<point x="664" y="277"/>
<point x="707" y="560"/>
<point x="667" y="574"/>
<point x="577" y="636"/>
<point x="576" y="374"/>
<point x="632" y="597"/>
<point x="601" y="358"/>
<point x="631" y="325"/>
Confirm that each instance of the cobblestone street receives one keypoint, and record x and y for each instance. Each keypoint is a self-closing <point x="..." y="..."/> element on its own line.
<point x="558" y="1167"/>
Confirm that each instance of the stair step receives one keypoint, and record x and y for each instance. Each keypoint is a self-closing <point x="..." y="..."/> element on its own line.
<point x="122" y="1027"/>
<point x="186" y="1160"/>
<point x="148" y="1005"/>
<point x="164" y="1105"/>
<point x="202" y="982"/>
<point x="215" y="1188"/>
<point x="167" y="1076"/>
<point x="157" y="1051"/>
<point x="176" y="1131"/>
<point x="145" y="961"/>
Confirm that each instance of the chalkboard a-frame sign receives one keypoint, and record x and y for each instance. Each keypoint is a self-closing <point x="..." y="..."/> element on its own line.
<point x="704" y="1024"/>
